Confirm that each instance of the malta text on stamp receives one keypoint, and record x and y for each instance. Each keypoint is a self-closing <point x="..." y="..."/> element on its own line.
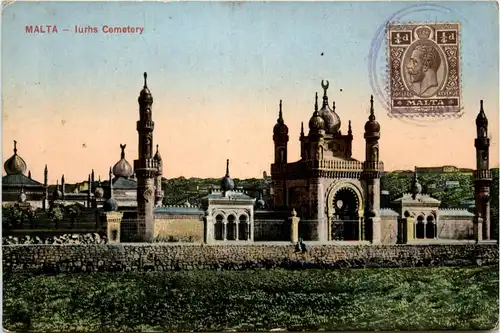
<point x="424" y="69"/>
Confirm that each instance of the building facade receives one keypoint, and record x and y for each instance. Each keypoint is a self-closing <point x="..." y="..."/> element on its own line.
<point x="327" y="185"/>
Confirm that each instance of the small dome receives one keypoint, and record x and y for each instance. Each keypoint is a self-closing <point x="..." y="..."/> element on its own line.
<point x="110" y="205"/>
<point x="280" y="129"/>
<point x="227" y="183"/>
<point x="99" y="192"/>
<point x="372" y="126"/>
<point x="122" y="168"/>
<point x="316" y="123"/>
<point x="261" y="204"/>
<point x="481" y="119"/>
<point x="15" y="164"/>
<point x="145" y="95"/>
<point x="157" y="155"/>
<point x="22" y="196"/>
<point x="57" y="194"/>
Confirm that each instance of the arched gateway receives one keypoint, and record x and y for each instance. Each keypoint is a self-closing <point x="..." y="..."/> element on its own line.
<point x="345" y="212"/>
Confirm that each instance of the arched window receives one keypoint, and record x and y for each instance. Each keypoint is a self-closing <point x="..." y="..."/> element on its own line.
<point x="231" y="227"/>
<point x="420" y="228"/>
<point x="218" y="227"/>
<point x="430" y="228"/>
<point x="243" y="230"/>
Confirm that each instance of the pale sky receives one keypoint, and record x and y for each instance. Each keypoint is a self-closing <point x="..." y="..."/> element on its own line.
<point x="217" y="72"/>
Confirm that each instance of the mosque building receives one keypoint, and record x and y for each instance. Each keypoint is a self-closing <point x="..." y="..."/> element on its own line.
<point x="327" y="184"/>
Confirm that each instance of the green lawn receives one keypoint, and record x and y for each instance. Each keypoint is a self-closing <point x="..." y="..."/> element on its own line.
<point x="354" y="299"/>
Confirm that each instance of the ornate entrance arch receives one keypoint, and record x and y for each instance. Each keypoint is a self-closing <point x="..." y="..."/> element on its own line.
<point x="345" y="209"/>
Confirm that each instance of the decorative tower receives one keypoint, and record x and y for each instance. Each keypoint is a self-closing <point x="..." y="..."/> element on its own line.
<point x="159" y="191"/>
<point x="46" y="187"/>
<point x="416" y="188"/>
<point x="63" y="187"/>
<point x="482" y="179"/>
<point x="317" y="126"/>
<point x="89" y="193"/>
<point x="226" y="183"/>
<point x="280" y="138"/>
<point x="145" y="167"/>
<point x="371" y="177"/>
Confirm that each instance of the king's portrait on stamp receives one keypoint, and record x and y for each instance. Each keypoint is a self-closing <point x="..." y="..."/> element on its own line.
<point x="424" y="68"/>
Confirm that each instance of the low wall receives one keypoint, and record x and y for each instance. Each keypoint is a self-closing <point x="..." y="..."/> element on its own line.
<point x="145" y="257"/>
<point x="179" y="229"/>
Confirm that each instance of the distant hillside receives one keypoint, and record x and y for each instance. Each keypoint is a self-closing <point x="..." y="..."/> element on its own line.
<point x="180" y="190"/>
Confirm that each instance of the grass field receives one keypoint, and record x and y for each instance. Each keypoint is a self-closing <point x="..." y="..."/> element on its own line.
<point x="356" y="299"/>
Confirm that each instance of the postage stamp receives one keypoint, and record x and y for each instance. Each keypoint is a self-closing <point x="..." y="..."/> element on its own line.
<point x="424" y="68"/>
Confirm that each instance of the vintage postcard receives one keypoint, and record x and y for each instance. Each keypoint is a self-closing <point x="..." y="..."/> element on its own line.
<point x="249" y="166"/>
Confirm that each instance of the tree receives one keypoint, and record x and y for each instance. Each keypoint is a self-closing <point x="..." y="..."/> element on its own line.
<point x="73" y="211"/>
<point x="56" y="214"/>
<point x="16" y="215"/>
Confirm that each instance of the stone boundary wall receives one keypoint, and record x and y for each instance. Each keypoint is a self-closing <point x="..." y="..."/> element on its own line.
<point x="149" y="257"/>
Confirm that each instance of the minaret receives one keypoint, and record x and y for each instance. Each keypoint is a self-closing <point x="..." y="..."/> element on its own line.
<point x="89" y="193"/>
<point x="349" y="143"/>
<point x="302" y="142"/>
<point x="63" y="187"/>
<point x="46" y="187"/>
<point x="158" y="190"/>
<point x="482" y="179"/>
<point x="145" y="166"/>
<point x="280" y="138"/>
<point x="371" y="177"/>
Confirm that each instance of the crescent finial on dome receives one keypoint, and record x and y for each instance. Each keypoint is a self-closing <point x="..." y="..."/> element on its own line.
<point x="15" y="147"/>
<point x="122" y="147"/>
<point x="145" y="80"/>
<point x="325" y="96"/>
<point x="325" y="86"/>
<point x="316" y="103"/>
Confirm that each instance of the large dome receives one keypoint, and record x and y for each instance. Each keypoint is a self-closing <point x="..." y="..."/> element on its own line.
<point x="122" y="168"/>
<point x="15" y="164"/>
<point x="332" y="119"/>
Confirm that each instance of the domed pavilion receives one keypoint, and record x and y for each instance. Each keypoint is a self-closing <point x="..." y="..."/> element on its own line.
<point x="16" y="182"/>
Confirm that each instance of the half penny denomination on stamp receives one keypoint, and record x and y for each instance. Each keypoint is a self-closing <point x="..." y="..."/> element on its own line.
<point x="424" y="69"/>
